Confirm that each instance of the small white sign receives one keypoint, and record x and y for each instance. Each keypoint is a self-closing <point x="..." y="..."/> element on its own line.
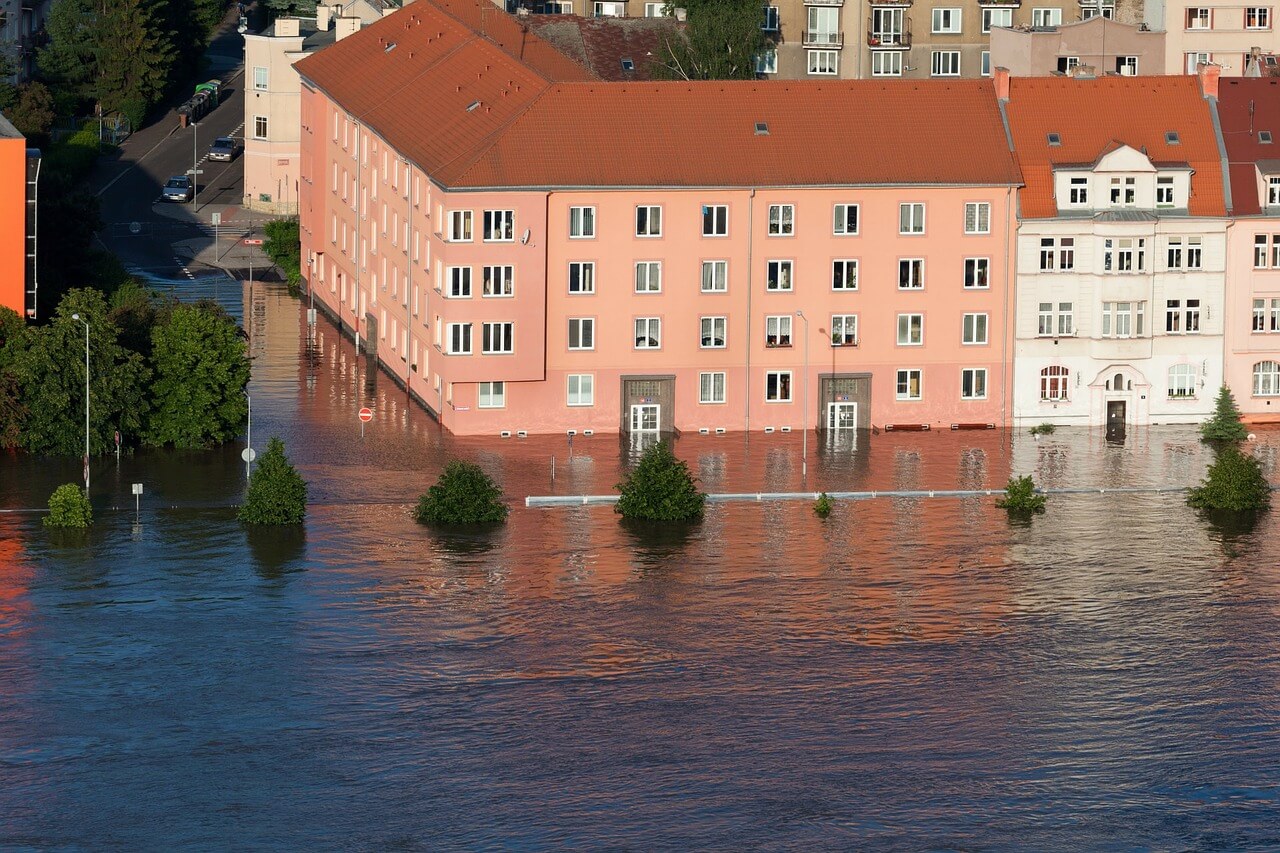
<point x="137" y="488"/>
<point x="217" y="219"/>
<point x="248" y="454"/>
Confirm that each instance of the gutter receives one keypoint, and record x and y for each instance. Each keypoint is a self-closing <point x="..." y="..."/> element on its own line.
<point x="1222" y="153"/>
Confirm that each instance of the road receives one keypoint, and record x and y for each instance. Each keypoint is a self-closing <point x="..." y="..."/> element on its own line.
<point x="167" y="241"/>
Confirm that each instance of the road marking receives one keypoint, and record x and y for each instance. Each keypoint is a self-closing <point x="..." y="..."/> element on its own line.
<point x="184" y="269"/>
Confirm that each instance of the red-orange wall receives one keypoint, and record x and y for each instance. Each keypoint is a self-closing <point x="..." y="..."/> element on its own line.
<point x="13" y="222"/>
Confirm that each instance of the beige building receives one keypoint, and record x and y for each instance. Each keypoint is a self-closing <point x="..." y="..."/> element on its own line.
<point x="1209" y="31"/>
<point x="1097" y="46"/>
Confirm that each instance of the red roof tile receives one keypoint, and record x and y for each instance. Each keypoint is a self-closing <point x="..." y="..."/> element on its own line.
<point x="1246" y="106"/>
<point x="602" y="44"/>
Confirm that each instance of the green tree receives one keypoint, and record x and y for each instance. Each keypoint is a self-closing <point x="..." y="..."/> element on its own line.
<point x="70" y="60"/>
<point x="13" y="341"/>
<point x="135" y="60"/>
<point x="1225" y="423"/>
<point x="277" y="493"/>
<point x="1020" y="497"/>
<point x="720" y="42"/>
<point x="68" y="507"/>
<point x="660" y="488"/>
<point x="50" y="372"/>
<point x="134" y="311"/>
<point x="284" y="247"/>
<point x="200" y="368"/>
<point x="464" y="494"/>
<point x="33" y="112"/>
<point x="304" y="8"/>
<point x="1234" y="483"/>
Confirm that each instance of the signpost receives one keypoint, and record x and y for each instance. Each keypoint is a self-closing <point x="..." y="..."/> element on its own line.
<point x="217" y="220"/>
<point x="252" y="241"/>
<point x="366" y="415"/>
<point x="137" y="500"/>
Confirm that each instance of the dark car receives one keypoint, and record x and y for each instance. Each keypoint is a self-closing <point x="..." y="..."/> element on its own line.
<point x="224" y="148"/>
<point x="178" y="188"/>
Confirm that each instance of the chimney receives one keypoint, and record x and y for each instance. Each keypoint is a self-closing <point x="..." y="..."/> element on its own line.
<point x="286" y="27"/>
<point x="1002" y="84"/>
<point x="1209" y="74"/>
<point x="324" y="17"/>
<point x="390" y="10"/>
<point x="346" y="27"/>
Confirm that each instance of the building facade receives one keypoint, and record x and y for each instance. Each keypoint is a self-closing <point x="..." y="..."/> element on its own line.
<point x="1210" y="31"/>
<point x="17" y="221"/>
<point x="1096" y="46"/>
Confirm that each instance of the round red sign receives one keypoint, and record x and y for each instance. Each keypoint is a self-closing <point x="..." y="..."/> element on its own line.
<point x="366" y="414"/>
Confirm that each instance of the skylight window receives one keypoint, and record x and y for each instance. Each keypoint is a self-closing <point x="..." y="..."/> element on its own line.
<point x="1055" y="139"/>
<point x="628" y="65"/>
<point x="1171" y="137"/>
<point x="390" y="47"/>
<point x="473" y="106"/>
<point x="762" y="128"/>
<point x="1264" y="136"/>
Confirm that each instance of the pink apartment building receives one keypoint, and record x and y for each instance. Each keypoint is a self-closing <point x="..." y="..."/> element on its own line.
<point x="526" y="248"/>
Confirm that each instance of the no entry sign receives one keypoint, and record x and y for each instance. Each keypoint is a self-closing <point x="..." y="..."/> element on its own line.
<point x="366" y="414"/>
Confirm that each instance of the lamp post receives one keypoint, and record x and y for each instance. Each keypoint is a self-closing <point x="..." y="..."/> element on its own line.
<point x="195" y="156"/>
<point x="804" y="453"/>
<point x="248" y="438"/>
<point x="86" y="400"/>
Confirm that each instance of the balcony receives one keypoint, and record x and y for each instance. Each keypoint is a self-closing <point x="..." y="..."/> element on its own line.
<point x="889" y="39"/>
<point x="892" y="4"/>
<point x="823" y="39"/>
<point x="824" y="2"/>
<point x="999" y="3"/>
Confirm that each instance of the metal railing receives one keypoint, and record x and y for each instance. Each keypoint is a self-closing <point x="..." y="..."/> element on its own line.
<point x="889" y="38"/>
<point x="823" y="39"/>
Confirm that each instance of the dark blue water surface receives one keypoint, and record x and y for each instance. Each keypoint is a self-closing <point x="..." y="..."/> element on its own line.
<point x="909" y="674"/>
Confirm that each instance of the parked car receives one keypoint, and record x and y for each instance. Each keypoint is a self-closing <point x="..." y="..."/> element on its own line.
<point x="179" y="188"/>
<point x="224" y="148"/>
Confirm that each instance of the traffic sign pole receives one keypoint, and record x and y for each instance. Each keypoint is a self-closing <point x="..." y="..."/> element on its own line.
<point x="365" y="414"/>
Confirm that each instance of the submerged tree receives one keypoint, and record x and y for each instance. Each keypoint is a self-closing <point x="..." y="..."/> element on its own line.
<point x="277" y="493"/>
<point x="1020" y="497"/>
<point x="464" y="494"/>
<point x="1225" y="423"/>
<point x="660" y="489"/>
<point x="68" y="507"/>
<point x="1234" y="483"/>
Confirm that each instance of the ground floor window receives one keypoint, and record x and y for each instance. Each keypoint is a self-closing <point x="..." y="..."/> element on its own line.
<point x="777" y="386"/>
<point x="711" y="387"/>
<point x="1053" y="383"/>
<point x="1266" y="379"/>
<point x="582" y="389"/>
<point x="886" y="63"/>
<point x="493" y="395"/>
<point x="1182" y="381"/>
<point x="973" y="383"/>
<point x="909" y="382"/>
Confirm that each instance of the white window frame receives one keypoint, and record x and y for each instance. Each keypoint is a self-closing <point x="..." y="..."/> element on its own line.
<point x="782" y="382"/>
<point x="458" y="338"/>
<point x="715" y="220"/>
<point x="652" y="216"/>
<point x="586" y="276"/>
<point x="1047" y="16"/>
<point x="499" y="226"/>
<point x="842" y="270"/>
<point x="911" y="218"/>
<point x="460" y="282"/>
<point x="260" y="78"/>
<point x="910" y="330"/>
<point x="914" y="279"/>
<point x="903" y="379"/>
<point x="886" y="63"/>
<point x="770" y="24"/>
<point x="782" y="220"/>
<point x="491" y="395"/>
<point x="780" y="275"/>
<point x="823" y="63"/>
<point x="707" y="327"/>
<point x="840" y="219"/>
<point x="947" y="20"/>
<point x="498" y="338"/>
<point x="1181" y="382"/>
<point x="1199" y="18"/>
<point x="461" y="226"/>
<point x="1257" y="18"/>
<point x="260" y="127"/>
<point x="1266" y="379"/>
<point x="711" y="387"/>
<point x="977" y="273"/>
<point x="648" y="277"/>
<point x="778" y="330"/>
<point x="990" y="13"/>
<point x="844" y="330"/>
<point x="715" y="273"/>
<point x="975" y="329"/>
<point x="980" y="211"/>
<point x="1195" y="58"/>
<point x="767" y="60"/>
<point x="648" y="329"/>
<point x="1273" y="190"/>
<point x="504" y="275"/>
<point x="1078" y="191"/>
<point x="584" y="394"/>
<point x="1055" y="384"/>
<point x="944" y="63"/>
<point x="584" y="328"/>
<point x="970" y="379"/>
<point x="582" y="222"/>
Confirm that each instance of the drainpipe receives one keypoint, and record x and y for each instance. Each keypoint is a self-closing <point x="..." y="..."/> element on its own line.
<point x="409" y="294"/>
<point x="751" y="206"/>
<point x="355" y="310"/>
<point x="1006" y="366"/>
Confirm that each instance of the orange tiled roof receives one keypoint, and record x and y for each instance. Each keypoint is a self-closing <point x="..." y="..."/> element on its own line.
<point x="1238" y="97"/>
<point x="1091" y="115"/>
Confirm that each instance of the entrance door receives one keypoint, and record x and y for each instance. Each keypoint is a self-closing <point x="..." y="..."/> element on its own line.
<point x="842" y="416"/>
<point x="1115" y="419"/>
<point x="646" y="417"/>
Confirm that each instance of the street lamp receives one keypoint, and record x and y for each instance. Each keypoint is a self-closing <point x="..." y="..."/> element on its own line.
<point x="86" y="400"/>
<point x="248" y="438"/>
<point x="804" y="453"/>
<point x="195" y="156"/>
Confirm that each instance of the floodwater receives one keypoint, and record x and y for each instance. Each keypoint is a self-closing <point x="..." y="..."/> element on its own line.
<point x="909" y="674"/>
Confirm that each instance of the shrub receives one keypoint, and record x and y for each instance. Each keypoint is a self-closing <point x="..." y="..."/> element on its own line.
<point x="464" y="494"/>
<point x="277" y="493"/>
<point x="1234" y="483"/>
<point x="660" y="489"/>
<point x="1043" y="429"/>
<point x="822" y="506"/>
<point x="68" y="507"/>
<point x="1020" y="497"/>
<point x="1224" y="424"/>
<point x="284" y="247"/>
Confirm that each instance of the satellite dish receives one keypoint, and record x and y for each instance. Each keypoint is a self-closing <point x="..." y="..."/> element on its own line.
<point x="524" y="238"/>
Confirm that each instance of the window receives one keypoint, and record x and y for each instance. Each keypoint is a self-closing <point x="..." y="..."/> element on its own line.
<point x="977" y="273"/>
<point x="1094" y="8"/>
<point x="1266" y="379"/>
<point x="1122" y="319"/>
<point x="844" y="275"/>
<point x="582" y="277"/>
<point x="886" y="63"/>
<point x="824" y="62"/>
<point x="460" y="226"/>
<point x="908" y="384"/>
<point x="715" y="220"/>
<point x="977" y="217"/>
<point x="1124" y="192"/>
<point x="499" y="338"/>
<point x="1182" y="318"/>
<point x="499" y="226"/>
<point x="1055" y="324"/>
<point x="1164" y="191"/>
<point x="715" y="276"/>
<point x="911" y="218"/>
<point x="824" y="26"/>
<point x="1256" y="18"/>
<point x="492" y="395"/>
<point x="260" y="78"/>
<point x="1199" y="18"/>
<point x="1260" y="251"/>
<point x="459" y="339"/>
<point x="1053" y="383"/>
<point x="1266" y="315"/>
<point x="582" y="222"/>
<point x="1182" y="381"/>
<point x="711" y="387"/>
<point x="259" y="127"/>
<point x="1124" y="254"/>
<point x="1078" y="192"/>
<point x="974" y="329"/>
<point x="946" y="63"/>
<point x="1273" y="190"/>
<point x="778" y="276"/>
<point x="777" y="331"/>
<point x="910" y="274"/>
<point x="582" y="333"/>
<point x="782" y="220"/>
<point x="582" y="389"/>
<point x="649" y="277"/>
<point x="648" y="220"/>
<point x="770" y="24"/>
<point x="648" y="333"/>
<point x="996" y="18"/>
<point x="844" y="330"/>
<point x="946" y="20"/>
<point x="845" y="220"/>
<point x="1066" y="63"/>
<point x="1185" y="253"/>
<point x="460" y="282"/>
<point x="1264" y="137"/>
<point x="1057" y="253"/>
<point x="499" y="281"/>
<point x="655" y="10"/>
<point x="714" y="331"/>
<point x="767" y="60"/>
<point x="910" y="330"/>
<point x="1127" y="66"/>
<point x="610" y="10"/>
<point x="1046" y="17"/>
<point x="985" y="63"/>
<point x="973" y="383"/>
<point x="1197" y="59"/>
<point x="777" y="386"/>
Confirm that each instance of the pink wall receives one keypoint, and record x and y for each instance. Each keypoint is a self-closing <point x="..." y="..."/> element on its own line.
<point x="1244" y="347"/>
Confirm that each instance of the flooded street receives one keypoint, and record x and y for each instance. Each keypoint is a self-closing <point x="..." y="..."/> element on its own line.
<point x="908" y="674"/>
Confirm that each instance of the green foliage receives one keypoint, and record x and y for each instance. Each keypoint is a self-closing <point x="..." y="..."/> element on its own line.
<point x="464" y="494"/>
<point x="134" y="310"/>
<point x="303" y="8"/>
<point x="720" y="42"/>
<point x="1234" y="483"/>
<point x="1044" y="429"/>
<point x="1224" y="424"/>
<point x="13" y="341"/>
<point x="660" y="488"/>
<point x="277" y="493"/>
<point x="135" y="57"/>
<point x="200" y="367"/>
<point x="70" y="59"/>
<point x="68" y="507"/>
<point x="823" y="505"/>
<point x="1020" y="497"/>
<point x="33" y="112"/>
<point x="284" y="247"/>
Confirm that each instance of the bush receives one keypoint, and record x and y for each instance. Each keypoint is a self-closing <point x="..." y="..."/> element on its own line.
<point x="283" y="245"/>
<point x="1020" y="497"/>
<point x="1043" y="429"/>
<point x="660" y="489"/>
<point x="464" y="494"/>
<point x="277" y="493"/>
<point x="822" y="506"/>
<point x="1224" y="424"/>
<point x="68" y="507"/>
<point x="1234" y="483"/>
